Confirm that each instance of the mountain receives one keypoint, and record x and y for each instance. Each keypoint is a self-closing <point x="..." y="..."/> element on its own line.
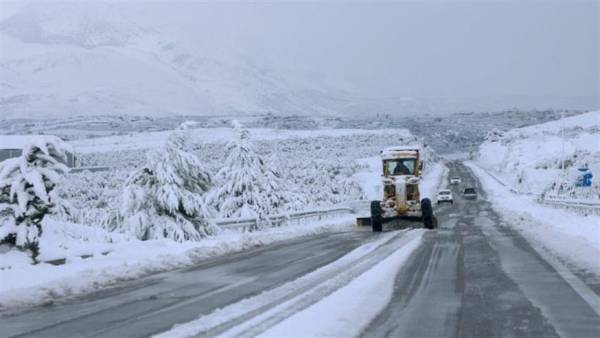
<point x="90" y="58"/>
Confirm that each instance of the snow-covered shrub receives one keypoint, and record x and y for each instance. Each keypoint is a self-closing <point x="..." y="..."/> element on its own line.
<point x="93" y="198"/>
<point x="165" y="198"/>
<point x="313" y="172"/>
<point x="26" y="184"/>
<point x="247" y="186"/>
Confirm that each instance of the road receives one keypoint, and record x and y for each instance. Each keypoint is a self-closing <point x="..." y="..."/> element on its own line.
<point x="476" y="277"/>
<point x="473" y="277"/>
<point x="154" y="304"/>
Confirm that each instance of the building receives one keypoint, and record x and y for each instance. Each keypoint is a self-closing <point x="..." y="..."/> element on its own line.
<point x="12" y="146"/>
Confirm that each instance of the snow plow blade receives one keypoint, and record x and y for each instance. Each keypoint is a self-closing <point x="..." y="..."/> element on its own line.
<point x="363" y="221"/>
<point x="366" y="221"/>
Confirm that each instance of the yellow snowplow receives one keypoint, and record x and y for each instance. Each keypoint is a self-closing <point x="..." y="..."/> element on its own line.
<point x="401" y="175"/>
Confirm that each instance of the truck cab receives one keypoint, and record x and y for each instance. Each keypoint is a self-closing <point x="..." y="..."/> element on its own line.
<point x="402" y="168"/>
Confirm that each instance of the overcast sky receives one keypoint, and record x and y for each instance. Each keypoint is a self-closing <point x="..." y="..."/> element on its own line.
<point x="425" y="48"/>
<point x="420" y="48"/>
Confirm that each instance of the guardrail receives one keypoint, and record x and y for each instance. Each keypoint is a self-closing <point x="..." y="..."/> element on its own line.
<point x="570" y="202"/>
<point x="277" y="220"/>
<point x="578" y="203"/>
<point x="249" y="223"/>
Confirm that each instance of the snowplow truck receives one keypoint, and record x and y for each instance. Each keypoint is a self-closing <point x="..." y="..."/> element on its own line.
<point x="402" y="167"/>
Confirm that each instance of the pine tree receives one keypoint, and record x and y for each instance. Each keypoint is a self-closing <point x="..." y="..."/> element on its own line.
<point x="165" y="198"/>
<point x="25" y="186"/>
<point x="246" y="186"/>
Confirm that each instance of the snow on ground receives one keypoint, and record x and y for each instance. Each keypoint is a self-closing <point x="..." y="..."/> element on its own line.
<point x="208" y="135"/>
<point x="529" y="159"/>
<point x="127" y="260"/>
<point x="433" y="179"/>
<point x="335" y="294"/>
<point x="573" y="238"/>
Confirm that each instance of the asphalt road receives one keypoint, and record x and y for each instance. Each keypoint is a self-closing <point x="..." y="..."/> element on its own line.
<point x="476" y="277"/>
<point x="154" y="304"/>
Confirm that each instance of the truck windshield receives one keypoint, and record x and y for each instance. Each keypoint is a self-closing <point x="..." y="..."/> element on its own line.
<point x="402" y="166"/>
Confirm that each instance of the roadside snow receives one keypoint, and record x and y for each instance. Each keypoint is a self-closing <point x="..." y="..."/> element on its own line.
<point x="573" y="238"/>
<point x="370" y="179"/>
<point x="530" y="159"/>
<point x="127" y="260"/>
<point x="433" y="180"/>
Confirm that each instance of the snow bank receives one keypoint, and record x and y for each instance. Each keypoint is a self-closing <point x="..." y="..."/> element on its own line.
<point x="574" y="238"/>
<point x="433" y="179"/>
<point x="127" y="260"/>
<point x="529" y="159"/>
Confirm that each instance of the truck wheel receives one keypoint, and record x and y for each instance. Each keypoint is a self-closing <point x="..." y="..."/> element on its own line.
<point x="427" y="212"/>
<point x="376" y="216"/>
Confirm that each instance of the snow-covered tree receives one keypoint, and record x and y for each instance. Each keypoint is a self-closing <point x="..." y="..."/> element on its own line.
<point x="25" y="186"/>
<point x="246" y="186"/>
<point x="165" y="198"/>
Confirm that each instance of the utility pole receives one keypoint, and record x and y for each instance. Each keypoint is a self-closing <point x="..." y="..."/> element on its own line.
<point x="562" y="136"/>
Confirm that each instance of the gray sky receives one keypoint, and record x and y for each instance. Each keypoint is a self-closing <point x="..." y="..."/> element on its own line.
<point x="424" y="48"/>
<point x="450" y="49"/>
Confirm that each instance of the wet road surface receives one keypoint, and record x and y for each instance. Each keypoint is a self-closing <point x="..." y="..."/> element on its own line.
<point x="476" y="277"/>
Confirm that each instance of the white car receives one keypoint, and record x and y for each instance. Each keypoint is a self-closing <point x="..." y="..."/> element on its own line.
<point x="455" y="180"/>
<point x="445" y="196"/>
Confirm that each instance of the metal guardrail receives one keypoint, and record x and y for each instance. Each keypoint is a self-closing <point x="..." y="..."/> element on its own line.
<point x="277" y="220"/>
<point x="552" y="199"/>
<point x="248" y="223"/>
<point x="570" y="202"/>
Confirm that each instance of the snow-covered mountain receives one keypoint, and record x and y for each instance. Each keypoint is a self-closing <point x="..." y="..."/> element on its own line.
<point x="93" y="58"/>
<point x="82" y="58"/>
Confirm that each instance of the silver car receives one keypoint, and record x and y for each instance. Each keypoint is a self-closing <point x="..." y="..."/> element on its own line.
<point x="470" y="193"/>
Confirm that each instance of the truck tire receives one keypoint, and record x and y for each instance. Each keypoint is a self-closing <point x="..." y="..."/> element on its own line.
<point x="376" y="216"/>
<point x="427" y="211"/>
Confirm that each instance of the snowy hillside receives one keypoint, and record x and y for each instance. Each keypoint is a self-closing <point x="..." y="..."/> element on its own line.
<point x="106" y="58"/>
<point x="529" y="159"/>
